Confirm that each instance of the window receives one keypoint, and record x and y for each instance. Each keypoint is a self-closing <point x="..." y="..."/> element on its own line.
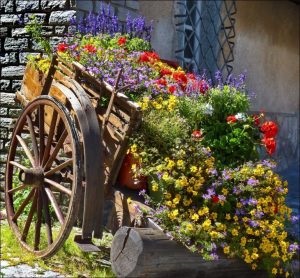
<point x="205" y="32"/>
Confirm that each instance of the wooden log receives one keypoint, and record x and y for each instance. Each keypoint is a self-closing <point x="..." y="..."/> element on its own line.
<point x="145" y="252"/>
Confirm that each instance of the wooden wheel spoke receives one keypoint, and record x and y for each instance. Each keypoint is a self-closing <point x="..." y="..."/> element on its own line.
<point x="33" y="137"/>
<point x="47" y="217"/>
<point x="50" y="137"/>
<point x="55" y="205"/>
<point x="58" y="186"/>
<point x="17" y="188"/>
<point x="18" y="165"/>
<point x="29" y="217"/>
<point x="41" y="132"/>
<point x="26" y="149"/>
<point x="38" y="223"/>
<point x="56" y="149"/>
<point x="59" y="167"/>
<point x="23" y="205"/>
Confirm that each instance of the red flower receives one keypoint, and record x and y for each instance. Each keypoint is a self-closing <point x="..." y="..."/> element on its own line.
<point x="231" y="119"/>
<point x="215" y="199"/>
<point x="172" y="89"/>
<point x="270" y="144"/>
<point x="197" y="134"/>
<point x="270" y="129"/>
<point x="180" y="77"/>
<point x="191" y="76"/>
<point x="148" y="56"/>
<point x="165" y="71"/>
<point x="62" y="47"/>
<point x="121" y="41"/>
<point x="203" y="86"/>
<point x="90" y="48"/>
<point x="161" y="81"/>
<point x="256" y="119"/>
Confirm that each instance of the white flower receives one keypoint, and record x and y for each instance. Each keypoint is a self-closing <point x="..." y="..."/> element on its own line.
<point x="240" y="116"/>
<point x="208" y="109"/>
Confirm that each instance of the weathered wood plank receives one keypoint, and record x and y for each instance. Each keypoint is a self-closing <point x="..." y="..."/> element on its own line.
<point x="145" y="252"/>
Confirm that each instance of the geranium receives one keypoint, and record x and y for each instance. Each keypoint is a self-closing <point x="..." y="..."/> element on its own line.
<point x="231" y="119"/>
<point x="62" y="47"/>
<point x="269" y="128"/>
<point x="122" y="41"/>
<point x="270" y="144"/>
<point x="90" y="48"/>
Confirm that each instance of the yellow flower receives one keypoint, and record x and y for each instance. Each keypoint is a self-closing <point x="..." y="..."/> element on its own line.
<point x="193" y="169"/>
<point x="235" y="218"/>
<point x="168" y="195"/>
<point x="227" y="216"/>
<point x="187" y="202"/>
<point x="195" y="217"/>
<point x="154" y="187"/>
<point x="224" y="191"/>
<point x="234" y="232"/>
<point x="274" y="270"/>
<point x="243" y="241"/>
<point x="170" y="165"/>
<point x="176" y="201"/>
<point x="254" y="256"/>
<point x="180" y="163"/>
<point x="226" y="250"/>
<point x="203" y="211"/>
<point x="190" y="227"/>
<point x="206" y="224"/>
<point x="254" y="266"/>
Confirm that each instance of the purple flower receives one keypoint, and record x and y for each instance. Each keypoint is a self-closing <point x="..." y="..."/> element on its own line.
<point x="253" y="223"/>
<point x="259" y="214"/>
<point x="293" y="247"/>
<point x="294" y="218"/>
<point x="252" y="181"/>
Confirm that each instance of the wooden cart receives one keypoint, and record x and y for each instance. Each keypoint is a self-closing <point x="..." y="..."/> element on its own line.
<point x="65" y="154"/>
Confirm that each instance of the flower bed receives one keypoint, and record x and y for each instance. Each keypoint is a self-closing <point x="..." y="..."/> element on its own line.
<point x="198" y="147"/>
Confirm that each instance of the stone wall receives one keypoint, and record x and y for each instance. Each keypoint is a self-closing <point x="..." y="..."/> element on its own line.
<point x="16" y="45"/>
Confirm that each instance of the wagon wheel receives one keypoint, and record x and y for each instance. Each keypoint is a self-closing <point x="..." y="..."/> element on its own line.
<point x="43" y="176"/>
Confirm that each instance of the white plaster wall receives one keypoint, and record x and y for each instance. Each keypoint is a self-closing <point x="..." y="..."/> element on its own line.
<point x="163" y="35"/>
<point x="267" y="46"/>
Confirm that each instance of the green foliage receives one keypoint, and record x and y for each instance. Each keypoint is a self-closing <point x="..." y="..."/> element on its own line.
<point x="35" y="28"/>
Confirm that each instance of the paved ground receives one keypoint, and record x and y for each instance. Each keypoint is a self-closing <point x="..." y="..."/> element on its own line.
<point x="23" y="270"/>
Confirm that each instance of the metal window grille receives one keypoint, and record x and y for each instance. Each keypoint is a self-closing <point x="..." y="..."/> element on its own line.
<point x="206" y="34"/>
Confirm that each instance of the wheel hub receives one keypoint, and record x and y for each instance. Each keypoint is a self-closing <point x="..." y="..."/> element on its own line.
<point x="33" y="176"/>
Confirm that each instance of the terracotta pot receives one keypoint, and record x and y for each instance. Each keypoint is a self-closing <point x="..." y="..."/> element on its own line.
<point x="126" y="177"/>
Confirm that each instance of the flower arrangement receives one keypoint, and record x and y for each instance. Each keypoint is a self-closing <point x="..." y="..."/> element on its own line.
<point x="197" y="145"/>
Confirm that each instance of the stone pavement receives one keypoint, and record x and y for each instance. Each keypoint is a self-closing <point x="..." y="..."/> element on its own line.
<point x="23" y="270"/>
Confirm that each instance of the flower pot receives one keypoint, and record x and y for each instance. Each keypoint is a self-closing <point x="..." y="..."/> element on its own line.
<point x="127" y="178"/>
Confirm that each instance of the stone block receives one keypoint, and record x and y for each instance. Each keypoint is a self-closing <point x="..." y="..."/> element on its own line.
<point x="118" y="2"/>
<point x="71" y="29"/>
<point x="9" y="19"/>
<point x="47" y="31"/>
<point x="53" y="4"/>
<point x="3" y="112"/>
<point x="19" y="32"/>
<point x="40" y="17"/>
<point x="132" y="4"/>
<point x="7" y="98"/>
<point x="60" y="30"/>
<point x="3" y="131"/>
<point x="3" y="32"/>
<point x="16" y="85"/>
<point x="61" y="17"/>
<point x="4" y="85"/>
<point x="15" y="44"/>
<point x="27" y="5"/>
<point x="14" y="112"/>
<point x="8" y="58"/>
<point x="23" y="56"/>
<point x="12" y="71"/>
<point x="7" y="6"/>
<point x="5" y="122"/>
<point x="54" y="41"/>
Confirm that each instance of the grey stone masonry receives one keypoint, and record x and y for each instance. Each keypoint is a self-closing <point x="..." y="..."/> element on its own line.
<point x="16" y="44"/>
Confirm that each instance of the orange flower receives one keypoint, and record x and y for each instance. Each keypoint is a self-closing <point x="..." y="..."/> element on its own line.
<point x="165" y="71"/>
